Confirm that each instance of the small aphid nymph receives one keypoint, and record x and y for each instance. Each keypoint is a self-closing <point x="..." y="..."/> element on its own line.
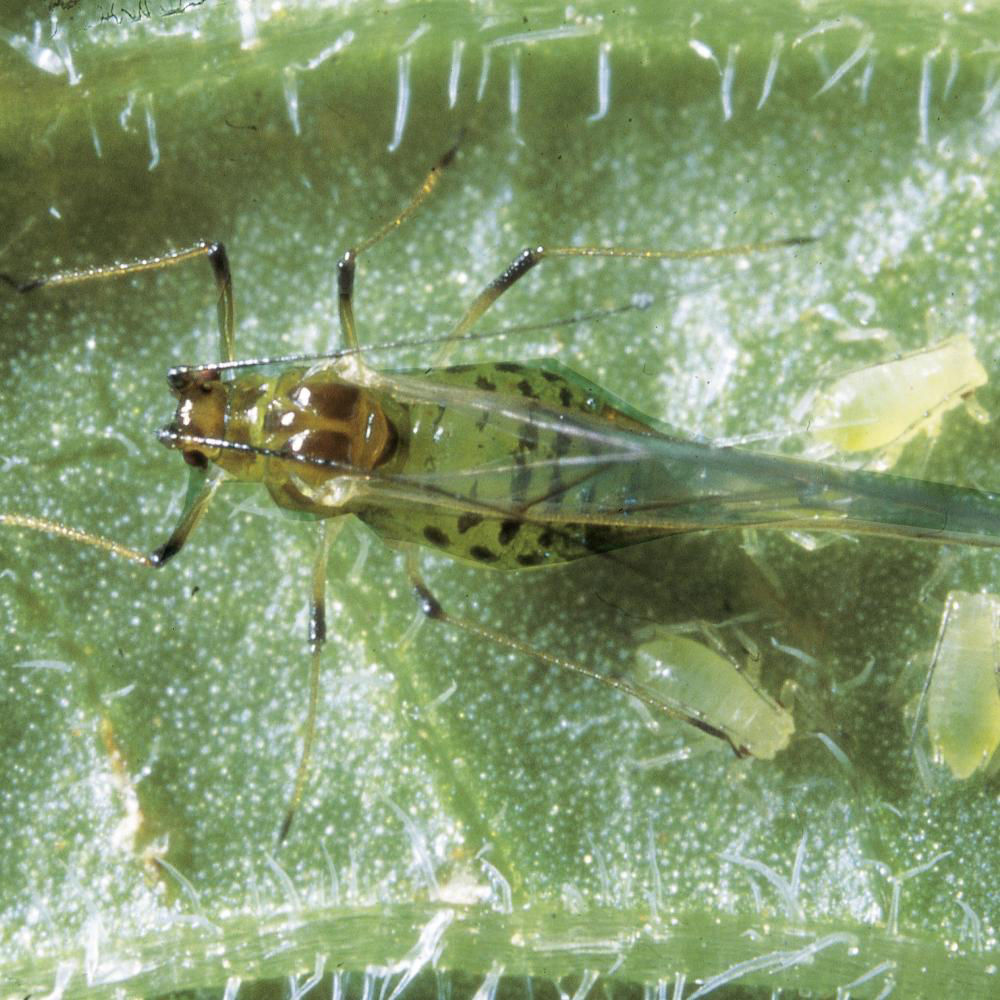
<point x="963" y="685"/>
<point x="694" y="675"/>
<point x="882" y="407"/>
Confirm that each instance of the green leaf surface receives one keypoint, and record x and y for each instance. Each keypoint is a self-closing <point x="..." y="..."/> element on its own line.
<point x="472" y="811"/>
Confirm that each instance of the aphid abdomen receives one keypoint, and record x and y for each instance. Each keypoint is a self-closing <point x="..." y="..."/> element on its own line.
<point x="498" y="451"/>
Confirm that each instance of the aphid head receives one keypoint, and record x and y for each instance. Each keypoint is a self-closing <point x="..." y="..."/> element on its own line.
<point x="201" y="414"/>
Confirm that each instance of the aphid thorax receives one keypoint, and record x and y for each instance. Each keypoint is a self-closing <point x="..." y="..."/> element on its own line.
<point x="293" y="429"/>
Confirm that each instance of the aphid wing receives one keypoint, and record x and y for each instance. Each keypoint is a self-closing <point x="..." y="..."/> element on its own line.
<point x="504" y="447"/>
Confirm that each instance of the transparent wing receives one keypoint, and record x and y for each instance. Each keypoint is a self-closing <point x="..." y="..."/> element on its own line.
<point x="522" y="458"/>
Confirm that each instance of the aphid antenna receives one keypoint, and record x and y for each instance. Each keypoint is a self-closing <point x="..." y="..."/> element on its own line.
<point x="638" y="303"/>
<point x="196" y="442"/>
<point x="25" y="227"/>
<point x="404" y="485"/>
<point x="49" y="527"/>
<point x="922" y="701"/>
<point x="411" y="487"/>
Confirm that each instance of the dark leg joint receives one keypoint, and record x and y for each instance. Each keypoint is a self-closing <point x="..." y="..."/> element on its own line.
<point x="165" y="553"/>
<point x="220" y="263"/>
<point x="317" y="626"/>
<point x="345" y="274"/>
<point x="23" y="286"/>
<point x="449" y="156"/>
<point x="520" y="266"/>
<point x="428" y="602"/>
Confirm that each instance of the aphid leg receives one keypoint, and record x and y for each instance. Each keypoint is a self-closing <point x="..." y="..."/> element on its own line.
<point x="347" y="263"/>
<point x="531" y="256"/>
<point x="317" y="638"/>
<point x="215" y="252"/>
<point x="202" y="487"/>
<point x="433" y="609"/>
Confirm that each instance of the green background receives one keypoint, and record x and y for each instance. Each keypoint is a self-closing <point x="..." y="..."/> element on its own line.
<point x="469" y="810"/>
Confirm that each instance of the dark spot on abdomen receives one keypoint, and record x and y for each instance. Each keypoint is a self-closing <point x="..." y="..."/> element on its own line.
<point x="435" y="536"/>
<point x="482" y="554"/>
<point x="508" y="532"/>
<point x="467" y="521"/>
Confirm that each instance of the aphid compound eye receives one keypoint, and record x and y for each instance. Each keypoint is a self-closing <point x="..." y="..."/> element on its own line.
<point x="179" y="379"/>
<point x="183" y="378"/>
<point x="195" y="458"/>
